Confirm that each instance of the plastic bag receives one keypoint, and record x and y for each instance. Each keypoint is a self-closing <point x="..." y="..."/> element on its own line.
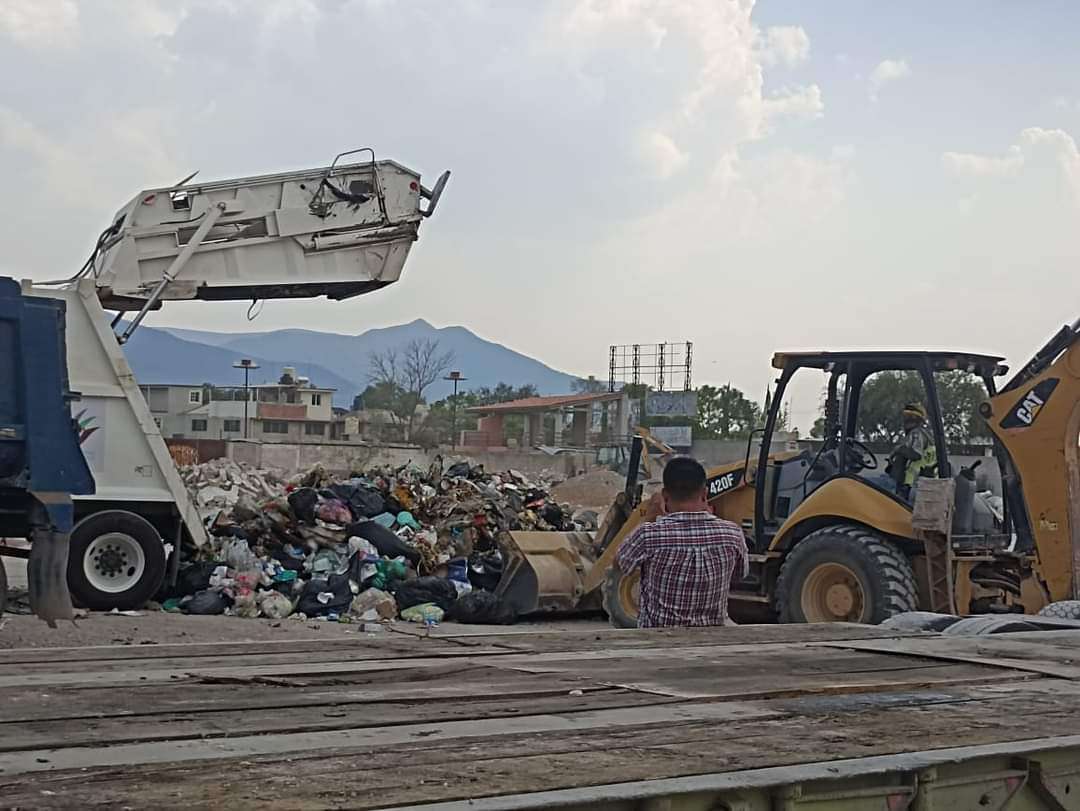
<point x="245" y="605"/>
<point x="386" y="542"/>
<point x="406" y="519"/>
<point x="426" y="590"/>
<point x="239" y="557"/>
<point x="481" y="608"/>
<point x="376" y="600"/>
<point x="427" y="613"/>
<point x="337" y="586"/>
<point x="303" y="503"/>
<point x="333" y="511"/>
<point x="275" y="605"/>
<point x="206" y="602"/>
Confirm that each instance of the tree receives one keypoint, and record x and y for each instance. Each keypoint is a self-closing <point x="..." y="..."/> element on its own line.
<point x="588" y="385"/>
<point x="724" y="413"/>
<point x="884" y="395"/>
<point x="439" y="417"/>
<point x="403" y="374"/>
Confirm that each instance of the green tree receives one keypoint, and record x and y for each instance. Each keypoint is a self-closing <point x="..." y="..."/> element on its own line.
<point x="724" y="413"/>
<point x="588" y="385"/>
<point x="884" y="395"/>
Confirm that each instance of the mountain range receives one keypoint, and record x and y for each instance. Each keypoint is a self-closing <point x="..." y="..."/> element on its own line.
<point x="186" y="356"/>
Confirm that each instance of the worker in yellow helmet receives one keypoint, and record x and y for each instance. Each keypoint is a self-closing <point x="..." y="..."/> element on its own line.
<point x="915" y="454"/>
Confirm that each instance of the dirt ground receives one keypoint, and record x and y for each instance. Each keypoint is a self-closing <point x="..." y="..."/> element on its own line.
<point x="158" y="627"/>
<point x="594" y="490"/>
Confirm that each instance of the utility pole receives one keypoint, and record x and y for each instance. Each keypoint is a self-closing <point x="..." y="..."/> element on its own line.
<point x="247" y="364"/>
<point x="457" y="378"/>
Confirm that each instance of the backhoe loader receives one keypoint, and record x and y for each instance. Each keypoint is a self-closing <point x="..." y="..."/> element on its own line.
<point x="830" y="542"/>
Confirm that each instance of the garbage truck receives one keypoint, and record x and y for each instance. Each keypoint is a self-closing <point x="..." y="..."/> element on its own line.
<point x="338" y="231"/>
<point x="41" y="466"/>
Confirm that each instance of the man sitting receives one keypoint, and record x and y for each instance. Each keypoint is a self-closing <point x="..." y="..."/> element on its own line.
<point x="687" y="556"/>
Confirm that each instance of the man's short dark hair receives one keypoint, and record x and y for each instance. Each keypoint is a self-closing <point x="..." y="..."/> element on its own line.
<point x="684" y="477"/>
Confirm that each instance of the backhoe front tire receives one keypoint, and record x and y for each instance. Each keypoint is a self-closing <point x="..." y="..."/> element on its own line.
<point x="845" y="573"/>
<point x="620" y="597"/>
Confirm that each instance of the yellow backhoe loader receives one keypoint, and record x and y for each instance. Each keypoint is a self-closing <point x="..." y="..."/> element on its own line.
<point x="829" y="540"/>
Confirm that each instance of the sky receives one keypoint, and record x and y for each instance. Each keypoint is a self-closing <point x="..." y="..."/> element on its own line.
<point x="748" y="176"/>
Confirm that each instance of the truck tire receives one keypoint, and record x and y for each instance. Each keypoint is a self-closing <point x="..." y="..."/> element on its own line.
<point x="115" y="560"/>
<point x="845" y="573"/>
<point x="621" y="595"/>
<point x="1063" y="610"/>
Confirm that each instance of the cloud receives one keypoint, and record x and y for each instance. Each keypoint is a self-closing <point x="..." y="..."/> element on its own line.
<point x="798" y="102"/>
<point x="785" y="45"/>
<point x="661" y="153"/>
<point x="1064" y="148"/>
<point x="971" y="164"/>
<point x="888" y="70"/>
<point x="40" y="23"/>
<point x="1060" y="144"/>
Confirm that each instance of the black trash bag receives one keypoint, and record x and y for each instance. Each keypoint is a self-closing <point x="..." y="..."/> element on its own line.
<point x="481" y="608"/>
<point x="303" y="503"/>
<point x="553" y="514"/>
<point x="337" y="585"/>
<point x="427" y="589"/>
<point x="386" y="542"/>
<point x="485" y="571"/>
<point x="287" y="561"/>
<point x="460" y="470"/>
<point x="363" y="502"/>
<point x="231" y="531"/>
<point x="392" y="505"/>
<point x="193" y="578"/>
<point x="206" y="602"/>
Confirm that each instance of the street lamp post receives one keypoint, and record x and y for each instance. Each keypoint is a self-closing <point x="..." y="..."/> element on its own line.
<point x="247" y="364"/>
<point x="457" y="378"/>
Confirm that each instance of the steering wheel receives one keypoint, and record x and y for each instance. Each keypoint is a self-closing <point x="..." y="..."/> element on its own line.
<point x="867" y="460"/>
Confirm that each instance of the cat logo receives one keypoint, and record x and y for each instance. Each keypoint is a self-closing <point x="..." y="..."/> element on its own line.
<point x="722" y="484"/>
<point x="1024" y="413"/>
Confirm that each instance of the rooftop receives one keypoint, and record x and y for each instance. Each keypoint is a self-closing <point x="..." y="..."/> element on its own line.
<point x="549" y="403"/>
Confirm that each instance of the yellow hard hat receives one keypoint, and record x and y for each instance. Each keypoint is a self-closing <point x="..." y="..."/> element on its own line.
<point x="915" y="410"/>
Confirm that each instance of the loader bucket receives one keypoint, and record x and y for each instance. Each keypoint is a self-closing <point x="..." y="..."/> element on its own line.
<point x="545" y="571"/>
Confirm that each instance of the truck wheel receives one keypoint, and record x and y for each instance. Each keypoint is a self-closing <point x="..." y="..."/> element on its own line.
<point x="845" y="573"/>
<point x="115" y="560"/>
<point x="1063" y="610"/>
<point x="621" y="597"/>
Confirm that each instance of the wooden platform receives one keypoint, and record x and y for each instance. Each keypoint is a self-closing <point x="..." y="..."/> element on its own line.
<point x="396" y="719"/>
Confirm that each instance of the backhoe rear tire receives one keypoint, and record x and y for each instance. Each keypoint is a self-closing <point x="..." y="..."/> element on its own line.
<point x="1063" y="610"/>
<point x="621" y="596"/>
<point x="845" y="573"/>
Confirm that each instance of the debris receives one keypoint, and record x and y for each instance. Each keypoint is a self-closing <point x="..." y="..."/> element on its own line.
<point x="365" y="547"/>
<point x="116" y="612"/>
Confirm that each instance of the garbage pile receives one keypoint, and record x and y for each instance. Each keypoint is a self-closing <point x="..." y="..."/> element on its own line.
<point x="409" y="542"/>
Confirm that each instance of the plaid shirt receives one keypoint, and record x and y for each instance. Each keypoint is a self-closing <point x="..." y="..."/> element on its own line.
<point x="687" y="561"/>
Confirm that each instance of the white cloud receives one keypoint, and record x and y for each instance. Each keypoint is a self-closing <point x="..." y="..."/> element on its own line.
<point x="40" y="23"/>
<point x="1058" y="142"/>
<point x="1063" y="146"/>
<point x="662" y="154"/>
<point x="968" y="163"/>
<point x="785" y="44"/>
<point x="888" y="70"/>
<point x="798" y="102"/>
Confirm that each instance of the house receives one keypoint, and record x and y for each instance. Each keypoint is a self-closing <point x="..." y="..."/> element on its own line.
<point x="291" y="410"/>
<point x="566" y="420"/>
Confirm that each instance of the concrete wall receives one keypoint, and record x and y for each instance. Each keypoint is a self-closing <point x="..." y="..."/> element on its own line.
<point x="342" y="458"/>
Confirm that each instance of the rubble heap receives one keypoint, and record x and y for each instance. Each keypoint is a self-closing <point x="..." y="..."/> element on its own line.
<point x="419" y="543"/>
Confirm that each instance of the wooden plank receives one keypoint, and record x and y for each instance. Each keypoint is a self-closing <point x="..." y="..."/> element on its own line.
<point x="1025" y="654"/>
<point x="32" y="733"/>
<point x="462" y="769"/>
<point x="19" y="762"/>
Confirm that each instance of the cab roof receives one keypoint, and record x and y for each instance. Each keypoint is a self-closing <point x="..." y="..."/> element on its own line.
<point x="990" y="365"/>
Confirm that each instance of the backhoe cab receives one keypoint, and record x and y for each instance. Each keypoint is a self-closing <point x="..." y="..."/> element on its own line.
<point x="831" y="539"/>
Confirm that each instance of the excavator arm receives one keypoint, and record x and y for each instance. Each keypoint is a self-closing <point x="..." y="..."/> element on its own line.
<point x="1036" y="417"/>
